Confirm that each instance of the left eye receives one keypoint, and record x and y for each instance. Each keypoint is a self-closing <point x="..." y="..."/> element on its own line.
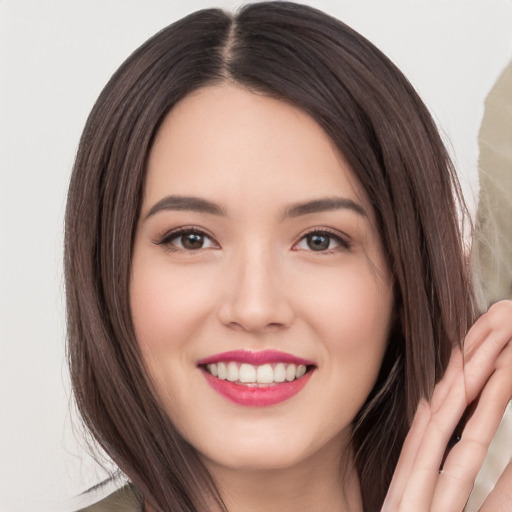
<point x="320" y="241"/>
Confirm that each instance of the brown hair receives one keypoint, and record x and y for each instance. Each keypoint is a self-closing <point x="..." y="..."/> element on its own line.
<point x="379" y="124"/>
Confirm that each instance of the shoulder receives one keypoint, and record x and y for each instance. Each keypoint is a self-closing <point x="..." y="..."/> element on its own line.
<point x="125" y="499"/>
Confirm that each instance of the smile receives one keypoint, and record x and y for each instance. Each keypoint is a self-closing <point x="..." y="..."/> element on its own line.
<point x="247" y="374"/>
<point x="256" y="379"/>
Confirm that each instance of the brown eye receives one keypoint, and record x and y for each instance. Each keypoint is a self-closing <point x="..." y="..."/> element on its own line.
<point x="188" y="240"/>
<point x="192" y="241"/>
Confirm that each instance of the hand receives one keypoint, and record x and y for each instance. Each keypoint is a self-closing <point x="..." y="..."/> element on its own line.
<point x="480" y="375"/>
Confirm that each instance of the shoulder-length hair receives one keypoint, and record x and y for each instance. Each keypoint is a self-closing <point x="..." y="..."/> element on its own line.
<point x="377" y="121"/>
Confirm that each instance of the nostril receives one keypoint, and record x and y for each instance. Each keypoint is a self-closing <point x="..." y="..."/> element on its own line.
<point x="255" y="302"/>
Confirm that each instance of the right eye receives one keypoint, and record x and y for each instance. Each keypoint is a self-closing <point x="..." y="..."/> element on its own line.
<point x="188" y="240"/>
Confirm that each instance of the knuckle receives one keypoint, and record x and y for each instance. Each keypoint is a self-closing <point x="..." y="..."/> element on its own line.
<point x="500" y="314"/>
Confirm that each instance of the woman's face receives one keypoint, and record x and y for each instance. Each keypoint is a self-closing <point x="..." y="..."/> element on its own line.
<point x="256" y="258"/>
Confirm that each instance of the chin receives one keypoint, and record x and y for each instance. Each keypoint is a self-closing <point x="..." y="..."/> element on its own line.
<point x="271" y="450"/>
<point x="258" y="460"/>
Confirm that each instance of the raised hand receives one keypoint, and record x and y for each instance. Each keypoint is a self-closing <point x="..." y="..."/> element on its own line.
<point x="480" y="376"/>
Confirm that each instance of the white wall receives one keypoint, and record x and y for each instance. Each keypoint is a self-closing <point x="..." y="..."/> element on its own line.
<point x="55" y="56"/>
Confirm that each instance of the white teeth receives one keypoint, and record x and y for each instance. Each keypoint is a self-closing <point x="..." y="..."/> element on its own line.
<point x="222" y="371"/>
<point x="265" y="374"/>
<point x="279" y="373"/>
<point x="291" y="372"/>
<point x="249" y="374"/>
<point x="232" y="372"/>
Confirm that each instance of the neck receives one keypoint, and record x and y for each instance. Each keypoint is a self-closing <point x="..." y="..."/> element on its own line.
<point x="327" y="481"/>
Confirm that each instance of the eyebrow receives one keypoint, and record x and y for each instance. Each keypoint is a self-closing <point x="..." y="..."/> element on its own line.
<point x="323" y="205"/>
<point x="189" y="203"/>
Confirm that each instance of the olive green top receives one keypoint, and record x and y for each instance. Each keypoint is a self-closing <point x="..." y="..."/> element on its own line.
<point x="122" y="500"/>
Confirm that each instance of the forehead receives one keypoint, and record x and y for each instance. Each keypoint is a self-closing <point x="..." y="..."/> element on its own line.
<point x="223" y="140"/>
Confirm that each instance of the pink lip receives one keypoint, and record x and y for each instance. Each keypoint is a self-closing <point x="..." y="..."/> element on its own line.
<point x="255" y="396"/>
<point x="255" y="358"/>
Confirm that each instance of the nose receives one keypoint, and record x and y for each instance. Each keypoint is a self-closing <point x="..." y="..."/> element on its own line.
<point x="256" y="298"/>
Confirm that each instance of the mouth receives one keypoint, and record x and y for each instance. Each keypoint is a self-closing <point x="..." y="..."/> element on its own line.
<point x="256" y="379"/>
<point x="245" y="374"/>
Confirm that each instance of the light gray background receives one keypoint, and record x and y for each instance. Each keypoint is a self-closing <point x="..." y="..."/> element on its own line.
<point x="55" y="56"/>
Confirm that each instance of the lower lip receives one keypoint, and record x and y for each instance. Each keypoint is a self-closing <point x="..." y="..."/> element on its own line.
<point x="253" y="396"/>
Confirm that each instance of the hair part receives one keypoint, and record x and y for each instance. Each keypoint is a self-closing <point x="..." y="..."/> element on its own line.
<point x="378" y="123"/>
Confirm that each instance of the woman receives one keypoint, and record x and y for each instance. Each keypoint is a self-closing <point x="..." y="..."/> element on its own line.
<point x="265" y="277"/>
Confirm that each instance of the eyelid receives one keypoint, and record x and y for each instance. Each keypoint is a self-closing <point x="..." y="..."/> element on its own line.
<point x="166" y="238"/>
<point x="340" y="237"/>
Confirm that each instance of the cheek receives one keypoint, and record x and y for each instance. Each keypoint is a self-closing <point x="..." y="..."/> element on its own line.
<point x="167" y="306"/>
<point x="355" y="293"/>
<point x="352" y="310"/>
<point x="170" y="309"/>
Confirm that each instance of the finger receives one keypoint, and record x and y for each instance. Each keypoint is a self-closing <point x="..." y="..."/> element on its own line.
<point x="500" y="498"/>
<point x="447" y="406"/>
<point x="451" y="382"/>
<point x="424" y="475"/>
<point x="482" y="363"/>
<point x="466" y="457"/>
<point x="497" y="319"/>
<point x="456" y="481"/>
<point x="407" y="456"/>
<point x="481" y="356"/>
<point x="493" y="400"/>
<point x="476" y="335"/>
<point x="415" y="437"/>
<point x="416" y="476"/>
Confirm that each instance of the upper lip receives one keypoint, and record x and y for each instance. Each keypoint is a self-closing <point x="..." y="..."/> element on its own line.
<point x="255" y="357"/>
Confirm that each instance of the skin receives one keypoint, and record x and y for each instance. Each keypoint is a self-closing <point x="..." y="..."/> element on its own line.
<point x="480" y="373"/>
<point x="255" y="283"/>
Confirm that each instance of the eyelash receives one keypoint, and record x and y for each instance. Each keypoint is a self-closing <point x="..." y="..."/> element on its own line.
<point x="344" y="244"/>
<point x="167" y="239"/>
